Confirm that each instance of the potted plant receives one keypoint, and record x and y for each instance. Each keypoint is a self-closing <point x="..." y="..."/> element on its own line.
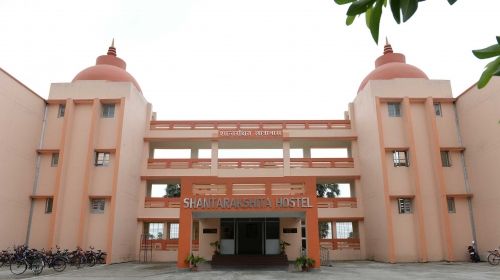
<point x="193" y="261"/>
<point x="216" y="245"/>
<point x="283" y="245"/>
<point x="304" y="263"/>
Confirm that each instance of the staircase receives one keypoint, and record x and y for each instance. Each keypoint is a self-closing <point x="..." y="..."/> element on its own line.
<point x="249" y="261"/>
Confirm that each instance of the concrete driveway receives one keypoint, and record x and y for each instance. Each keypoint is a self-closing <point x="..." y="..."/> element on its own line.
<point x="340" y="270"/>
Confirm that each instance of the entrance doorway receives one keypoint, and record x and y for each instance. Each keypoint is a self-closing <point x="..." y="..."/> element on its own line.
<point x="250" y="236"/>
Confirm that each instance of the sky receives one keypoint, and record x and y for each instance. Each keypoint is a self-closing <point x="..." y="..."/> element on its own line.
<point x="239" y="59"/>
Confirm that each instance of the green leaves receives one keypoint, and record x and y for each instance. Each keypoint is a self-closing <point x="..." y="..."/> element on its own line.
<point x="491" y="51"/>
<point x="374" y="23"/>
<point x="395" y="7"/>
<point x="408" y="8"/>
<point x="359" y="7"/>
<point x="401" y="9"/>
<point x="492" y="68"/>
<point x="342" y="2"/>
<point x="349" y="20"/>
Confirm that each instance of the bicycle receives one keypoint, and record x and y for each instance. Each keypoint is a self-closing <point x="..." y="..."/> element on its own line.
<point x="91" y="257"/>
<point x="24" y="259"/>
<point x="494" y="257"/>
<point x="54" y="261"/>
<point x="5" y="257"/>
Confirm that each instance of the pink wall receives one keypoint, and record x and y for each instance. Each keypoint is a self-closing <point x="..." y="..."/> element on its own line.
<point x="135" y="122"/>
<point x="39" y="234"/>
<point x="371" y="183"/>
<point x="479" y="114"/>
<point x="21" y="116"/>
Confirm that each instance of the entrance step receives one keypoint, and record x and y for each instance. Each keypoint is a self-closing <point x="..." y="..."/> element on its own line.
<point x="249" y="261"/>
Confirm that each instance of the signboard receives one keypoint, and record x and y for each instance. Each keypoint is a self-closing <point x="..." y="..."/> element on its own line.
<point x="244" y="133"/>
<point x="246" y="203"/>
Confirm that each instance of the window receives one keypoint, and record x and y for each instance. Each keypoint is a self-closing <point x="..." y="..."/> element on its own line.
<point x="404" y="205"/>
<point x="325" y="230"/>
<point x="55" y="159"/>
<point x="445" y="158"/>
<point x="108" y="110"/>
<point x="394" y="109"/>
<point x="400" y="158"/>
<point x="155" y="230"/>
<point x="437" y="109"/>
<point x="49" y="202"/>
<point x="61" y="110"/>
<point x="345" y="230"/>
<point x="97" y="206"/>
<point x="451" y="205"/>
<point x="101" y="159"/>
<point x="173" y="230"/>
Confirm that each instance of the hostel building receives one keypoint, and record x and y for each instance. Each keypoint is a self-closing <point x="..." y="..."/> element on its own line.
<point x="92" y="166"/>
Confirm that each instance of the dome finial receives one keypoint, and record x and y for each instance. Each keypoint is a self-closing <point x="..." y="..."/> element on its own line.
<point x="387" y="47"/>
<point x="112" y="49"/>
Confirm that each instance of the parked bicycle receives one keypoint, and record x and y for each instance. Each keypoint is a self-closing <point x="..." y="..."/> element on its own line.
<point x="55" y="261"/>
<point x="494" y="257"/>
<point x="5" y="257"/>
<point x="24" y="258"/>
<point x="101" y="257"/>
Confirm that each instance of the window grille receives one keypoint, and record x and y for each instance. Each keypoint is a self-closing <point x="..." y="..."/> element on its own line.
<point x="108" y="110"/>
<point x="404" y="205"/>
<point x="97" y="206"/>
<point x="394" y="109"/>
<point x="400" y="158"/>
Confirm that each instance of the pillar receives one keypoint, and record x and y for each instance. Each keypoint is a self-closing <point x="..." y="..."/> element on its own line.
<point x="312" y="230"/>
<point x="286" y="158"/>
<point x="215" y="158"/>
<point x="185" y="226"/>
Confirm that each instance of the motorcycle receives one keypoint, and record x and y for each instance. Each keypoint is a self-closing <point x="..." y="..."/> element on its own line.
<point x="474" y="256"/>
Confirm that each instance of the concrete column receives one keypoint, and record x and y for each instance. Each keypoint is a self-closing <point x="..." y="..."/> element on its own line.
<point x="312" y="230"/>
<point x="215" y="158"/>
<point x="185" y="225"/>
<point x="194" y="153"/>
<point x="306" y="152"/>
<point x="286" y="158"/>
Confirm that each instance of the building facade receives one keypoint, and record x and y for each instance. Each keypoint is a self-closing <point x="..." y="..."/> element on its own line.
<point x="91" y="166"/>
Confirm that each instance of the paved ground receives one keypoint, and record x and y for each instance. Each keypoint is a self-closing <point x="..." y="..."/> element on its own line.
<point x="341" y="270"/>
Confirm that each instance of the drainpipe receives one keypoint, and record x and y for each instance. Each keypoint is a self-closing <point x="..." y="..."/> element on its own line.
<point x="37" y="174"/>
<point x="466" y="179"/>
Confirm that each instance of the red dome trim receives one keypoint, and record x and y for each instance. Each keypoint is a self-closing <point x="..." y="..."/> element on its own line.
<point x="108" y="68"/>
<point x="392" y="66"/>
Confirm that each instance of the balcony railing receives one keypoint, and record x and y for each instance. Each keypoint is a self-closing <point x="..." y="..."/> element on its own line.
<point x="160" y="202"/>
<point x="214" y="125"/>
<point x="341" y="244"/>
<point x="337" y="202"/>
<point x="250" y="163"/>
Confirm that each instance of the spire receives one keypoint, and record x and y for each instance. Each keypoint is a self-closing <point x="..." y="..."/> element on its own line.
<point x="112" y="49"/>
<point x="387" y="47"/>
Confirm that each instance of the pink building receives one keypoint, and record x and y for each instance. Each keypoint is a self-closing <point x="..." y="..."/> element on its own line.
<point x="91" y="166"/>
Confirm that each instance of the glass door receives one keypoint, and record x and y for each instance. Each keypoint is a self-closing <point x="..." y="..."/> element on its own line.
<point x="227" y="237"/>
<point x="272" y="230"/>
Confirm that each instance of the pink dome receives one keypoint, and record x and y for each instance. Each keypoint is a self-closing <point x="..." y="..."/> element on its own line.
<point x="108" y="67"/>
<point x="391" y="66"/>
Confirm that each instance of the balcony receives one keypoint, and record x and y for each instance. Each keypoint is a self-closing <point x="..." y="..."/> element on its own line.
<point x="213" y="129"/>
<point x="341" y="244"/>
<point x="249" y="125"/>
<point x="277" y="167"/>
<point x="338" y="202"/>
<point x="160" y="202"/>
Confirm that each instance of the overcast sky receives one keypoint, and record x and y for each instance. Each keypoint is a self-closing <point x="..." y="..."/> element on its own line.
<point x="239" y="59"/>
